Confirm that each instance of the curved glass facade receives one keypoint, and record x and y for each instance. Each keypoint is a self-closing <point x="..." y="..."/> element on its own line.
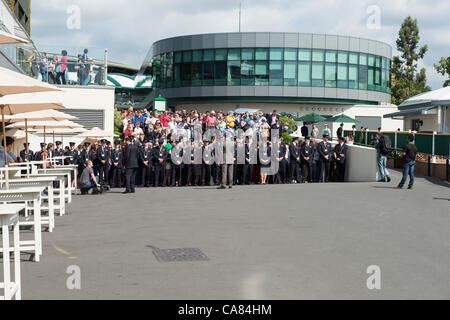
<point x="272" y="67"/>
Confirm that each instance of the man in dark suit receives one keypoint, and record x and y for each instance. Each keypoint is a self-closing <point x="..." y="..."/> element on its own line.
<point x="279" y="177"/>
<point x="247" y="175"/>
<point x="160" y="155"/>
<point x="131" y="164"/>
<point x="146" y="160"/>
<point x="340" y="154"/>
<point x="117" y="165"/>
<point x="103" y="158"/>
<point x="307" y="157"/>
<point x="294" y="161"/>
<point x="59" y="152"/>
<point x="305" y="130"/>
<point x="340" y="131"/>
<point x="325" y="153"/>
<point x="23" y="157"/>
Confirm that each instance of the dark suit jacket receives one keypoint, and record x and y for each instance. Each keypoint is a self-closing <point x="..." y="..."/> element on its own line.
<point x="294" y="153"/>
<point x="305" y="131"/>
<point x="307" y="152"/>
<point x="325" y="149"/>
<point x="131" y="156"/>
<point x="159" y="153"/>
<point x="146" y="155"/>
<point x="341" y="150"/>
<point x="117" y="157"/>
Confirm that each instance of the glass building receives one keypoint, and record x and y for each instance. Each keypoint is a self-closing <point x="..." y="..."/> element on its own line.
<point x="275" y="67"/>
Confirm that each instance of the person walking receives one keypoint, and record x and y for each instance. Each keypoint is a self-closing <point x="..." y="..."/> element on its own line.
<point x="409" y="163"/>
<point x="383" y="150"/>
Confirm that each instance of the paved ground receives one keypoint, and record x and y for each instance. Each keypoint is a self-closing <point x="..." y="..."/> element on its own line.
<point x="263" y="242"/>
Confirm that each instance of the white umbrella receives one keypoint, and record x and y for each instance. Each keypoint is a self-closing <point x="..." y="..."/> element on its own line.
<point x="8" y="38"/>
<point x="96" y="133"/>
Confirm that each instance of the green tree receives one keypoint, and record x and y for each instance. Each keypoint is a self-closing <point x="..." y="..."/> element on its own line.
<point x="444" y="68"/>
<point x="406" y="80"/>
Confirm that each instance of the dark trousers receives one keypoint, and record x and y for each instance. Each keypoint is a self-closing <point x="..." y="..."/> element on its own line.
<point x="207" y="174"/>
<point x="247" y="176"/>
<point x="307" y="166"/>
<point x="159" y="174"/>
<point x="117" y="177"/>
<point x="194" y="174"/>
<point x="177" y="175"/>
<point x="340" y="172"/>
<point x="295" y="171"/>
<point x="146" y="176"/>
<point x="130" y="179"/>
<point x="103" y="172"/>
<point x="277" y="178"/>
<point x="324" y="170"/>
<point x="215" y="172"/>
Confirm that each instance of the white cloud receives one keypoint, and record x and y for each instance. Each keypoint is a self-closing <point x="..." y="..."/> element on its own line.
<point x="128" y="28"/>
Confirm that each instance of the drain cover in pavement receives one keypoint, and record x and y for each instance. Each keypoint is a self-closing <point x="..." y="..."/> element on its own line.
<point x="179" y="255"/>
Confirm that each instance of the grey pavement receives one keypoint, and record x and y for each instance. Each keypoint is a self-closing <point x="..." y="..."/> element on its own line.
<point x="263" y="242"/>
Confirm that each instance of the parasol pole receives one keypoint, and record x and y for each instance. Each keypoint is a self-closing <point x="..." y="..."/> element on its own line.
<point x="54" y="146"/>
<point x="26" y="148"/>
<point x="45" y="153"/>
<point x="4" y="146"/>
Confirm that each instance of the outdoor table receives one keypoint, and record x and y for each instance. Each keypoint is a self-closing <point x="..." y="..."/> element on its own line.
<point x="61" y="192"/>
<point x="9" y="215"/>
<point x="68" y="171"/>
<point x="23" y="195"/>
<point x="46" y="182"/>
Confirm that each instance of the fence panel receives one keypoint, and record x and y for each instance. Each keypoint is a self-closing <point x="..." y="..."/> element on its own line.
<point x="424" y="143"/>
<point x="443" y="145"/>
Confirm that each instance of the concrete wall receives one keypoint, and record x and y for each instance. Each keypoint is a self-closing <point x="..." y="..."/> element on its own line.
<point x="361" y="164"/>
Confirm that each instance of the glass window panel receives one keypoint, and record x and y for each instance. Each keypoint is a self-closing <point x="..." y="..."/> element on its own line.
<point x="276" y="73"/>
<point x="318" y="55"/>
<point x="262" y="54"/>
<point x="363" y="76"/>
<point x="353" y="77"/>
<point x="330" y="75"/>
<point x="378" y="62"/>
<point x="276" y="54"/>
<point x="196" y="74"/>
<point x="342" y="76"/>
<point x="363" y="59"/>
<point x="331" y="56"/>
<point x="342" y="57"/>
<point x="234" y="73"/>
<point x="248" y="73"/>
<point x="177" y="75"/>
<point x="377" y="76"/>
<point x="234" y="54"/>
<point x="248" y="54"/>
<point x="221" y="55"/>
<point x="318" y="75"/>
<point x="353" y="58"/>
<point x="220" y="73"/>
<point x="290" y="54"/>
<point x="178" y="57"/>
<point x="304" y="74"/>
<point x="371" y="61"/>
<point x="187" y="56"/>
<point x="304" y="54"/>
<point x="208" y="55"/>
<point x="197" y="56"/>
<point x="185" y="74"/>
<point x="290" y="73"/>
<point x="262" y="73"/>
<point x="208" y="73"/>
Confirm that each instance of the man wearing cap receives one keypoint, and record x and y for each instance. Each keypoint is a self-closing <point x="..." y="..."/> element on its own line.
<point x="340" y="154"/>
<point x="307" y="156"/>
<point x="131" y="156"/>
<point x="117" y="165"/>
<point x="160" y="156"/>
<point x="50" y="151"/>
<point x="146" y="160"/>
<point x="22" y="154"/>
<point x="84" y="158"/>
<point x="294" y="161"/>
<point x="103" y="158"/>
<point x="325" y="153"/>
<point x="59" y="152"/>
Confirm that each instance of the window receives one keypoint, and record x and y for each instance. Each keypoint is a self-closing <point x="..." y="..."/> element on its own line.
<point x="304" y="74"/>
<point x="317" y="74"/>
<point x="353" y="58"/>
<point x="371" y="61"/>
<point x="262" y="54"/>
<point x="290" y="54"/>
<point x="330" y="75"/>
<point x="276" y="73"/>
<point x="186" y="75"/>
<point x="196" y="74"/>
<point x="208" y="73"/>
<point x="331" y="56"/>
<point x="353" y="77"/>
<point x="248" y="73"/>
<point x="262" y="73"/>
<point x="290" y="73"/>
<point x="221" y="54"/>
<point x="220" y="73"/>
<point x="342" y="57"/>
<point x="248" y="54"/>
<point x="197" y="56"/>
<point x="234" y="54"/>
<point x="177" y="75"/>
<point x="363" y="76"/>
<point x="318" y="55"/>
<point x="208" y="55"/>
<point x="276" y="54"/>
<point x="304" y="55"/>
<point x="363" y="59"/>
<point x="234" y="73"/>
<point x="342" y="76"/>
<point x="178" y="57"/>
<point x="187" y="56"/>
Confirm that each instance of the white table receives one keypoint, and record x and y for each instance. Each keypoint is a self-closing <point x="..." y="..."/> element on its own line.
<point x="61" y="177"/>
<point x="23" y="195"/>
<point x="9" y="215"/>
<point x="46" y="182"/>
<point x="68" y="172"/>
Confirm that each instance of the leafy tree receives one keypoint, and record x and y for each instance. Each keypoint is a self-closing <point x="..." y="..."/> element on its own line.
<point x="444" y="68"/>
<point x="406" y="80"/>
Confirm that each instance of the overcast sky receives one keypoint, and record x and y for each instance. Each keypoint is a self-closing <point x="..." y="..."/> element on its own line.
<point x="129" y="27"/>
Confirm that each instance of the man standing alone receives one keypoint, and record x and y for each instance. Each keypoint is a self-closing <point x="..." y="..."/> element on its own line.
<point x="409" y="163"/>
<point x="131" y="164"/>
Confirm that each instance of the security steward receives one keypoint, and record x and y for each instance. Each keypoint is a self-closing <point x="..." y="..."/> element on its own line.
<point x="131" y="164"/>
<point x="146" y="161"/>
<point x="325" y="154"/>
<point x="117" y="165"/>
<point x="307" y="157"/>
<point x="103" y="161"/>
<point x="160" y="154"/>
<point x="340" y="155"/>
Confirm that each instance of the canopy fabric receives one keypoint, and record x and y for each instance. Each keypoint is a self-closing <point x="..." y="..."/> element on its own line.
<point x="432" y="98"/>
<point x="46" y="125"/>
<point x="342" y="119"/>
<point x="13" y="109"/>
<point x="313" y="117"/>
<point x="62" y="130"/>
<point x="96" y="133"/>
<point x="47" y="115"/>
<point x="12" y="82"/>
<point x="8" y="38"/>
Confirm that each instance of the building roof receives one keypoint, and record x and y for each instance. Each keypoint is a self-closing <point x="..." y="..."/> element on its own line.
<point x="433" y="98"/>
